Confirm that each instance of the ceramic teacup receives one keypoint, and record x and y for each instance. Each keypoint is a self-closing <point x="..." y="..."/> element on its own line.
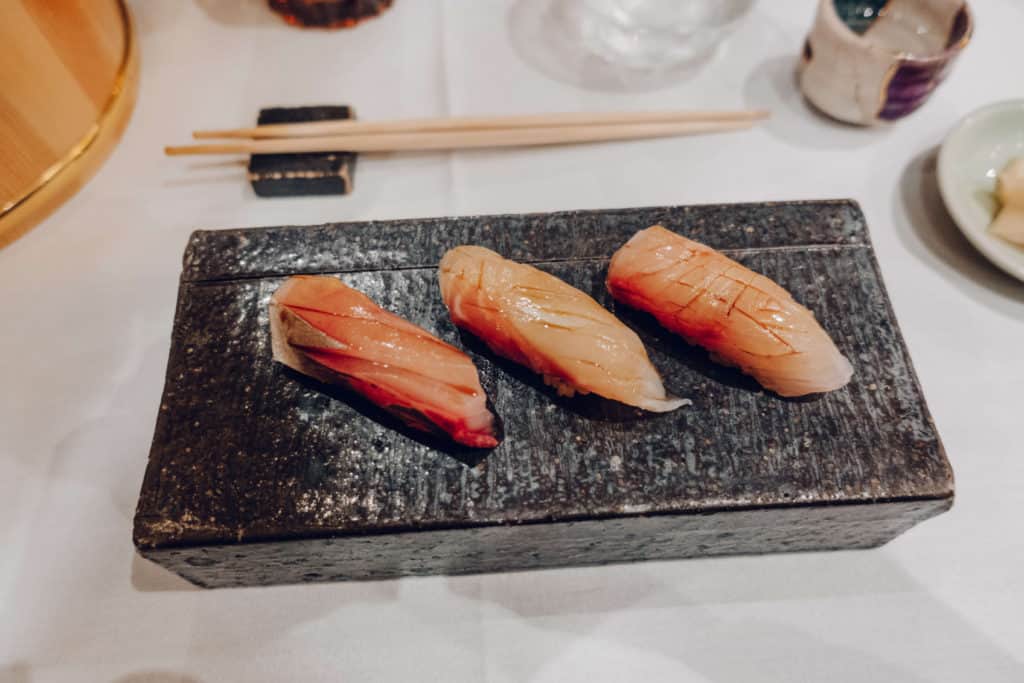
<point x="869" y="61"/>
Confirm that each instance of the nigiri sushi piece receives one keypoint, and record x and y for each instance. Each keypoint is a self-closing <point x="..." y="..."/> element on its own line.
<point x="323" y="328"/>
<point x="743" y="318"/>
<point x="533" y="318"/>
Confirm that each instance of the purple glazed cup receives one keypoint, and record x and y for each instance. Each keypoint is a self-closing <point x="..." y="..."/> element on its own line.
<point x="868" y="61"/>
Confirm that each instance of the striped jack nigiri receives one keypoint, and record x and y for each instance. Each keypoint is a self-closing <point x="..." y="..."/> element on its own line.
<point x="323" y="328"/>
<point x="533" y="318"/>
<point x="743" y="318"/>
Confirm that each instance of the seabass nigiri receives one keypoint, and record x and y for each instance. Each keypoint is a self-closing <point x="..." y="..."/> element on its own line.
<point x="533" y="318"/>
<point x="743" y="318"/>
<point x="327" y="330"/>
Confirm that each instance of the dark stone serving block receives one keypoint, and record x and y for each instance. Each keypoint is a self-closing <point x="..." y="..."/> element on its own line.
<point x="258" y="475"/>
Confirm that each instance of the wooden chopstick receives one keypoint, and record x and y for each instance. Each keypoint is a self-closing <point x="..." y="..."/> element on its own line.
<point x="354" y="127"/>
<point x="470" y="139"/>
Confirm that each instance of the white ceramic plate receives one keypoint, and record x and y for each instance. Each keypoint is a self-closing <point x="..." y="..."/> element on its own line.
<point x="969" y="161"/>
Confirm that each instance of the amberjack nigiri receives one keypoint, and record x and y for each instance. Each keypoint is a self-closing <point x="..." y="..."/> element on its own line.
<point x="743" y="318"/>
<point x="323" y="328"/>
<point x="533" y="318"/>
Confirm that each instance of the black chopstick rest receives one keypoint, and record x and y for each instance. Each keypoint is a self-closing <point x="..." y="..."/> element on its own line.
<point x="311" y="173"/>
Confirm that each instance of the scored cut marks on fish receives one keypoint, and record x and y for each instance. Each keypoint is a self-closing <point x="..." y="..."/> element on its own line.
<point x="743" y="318"/>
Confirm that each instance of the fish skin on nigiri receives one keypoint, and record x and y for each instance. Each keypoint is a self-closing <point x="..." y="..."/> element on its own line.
<point x="323" y="328"/>
<point x="537" y="320"/>
<point x="743" y="318"/>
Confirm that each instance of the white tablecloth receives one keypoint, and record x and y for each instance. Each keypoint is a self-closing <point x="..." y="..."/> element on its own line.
<point x="86" y="303"/>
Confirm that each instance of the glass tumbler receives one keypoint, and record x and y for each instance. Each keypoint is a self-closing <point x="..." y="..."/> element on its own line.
<point x="651" y="35"/>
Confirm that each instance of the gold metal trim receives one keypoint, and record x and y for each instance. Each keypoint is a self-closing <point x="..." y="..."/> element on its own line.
<point x="968" y="34"/>
<point x="883" y="91"/>
<point x="120" y="82"/>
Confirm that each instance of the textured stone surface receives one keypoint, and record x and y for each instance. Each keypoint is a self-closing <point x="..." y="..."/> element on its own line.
<point x="258" y="475"/>
<point x="530" y="546"/>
